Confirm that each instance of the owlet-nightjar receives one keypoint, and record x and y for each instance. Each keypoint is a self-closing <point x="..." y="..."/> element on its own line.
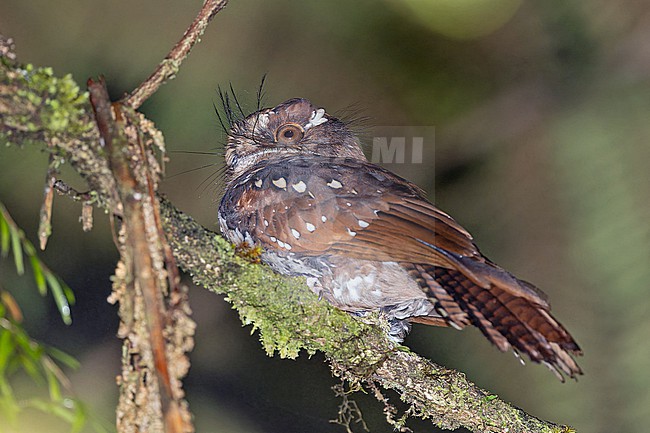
<point x="300" y="187"/>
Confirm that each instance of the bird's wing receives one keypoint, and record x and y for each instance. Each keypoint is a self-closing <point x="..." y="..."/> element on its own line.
<point x="350" y="206"/>
<point x="358" y="210"/>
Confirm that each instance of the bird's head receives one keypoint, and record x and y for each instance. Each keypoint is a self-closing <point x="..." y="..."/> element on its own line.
<point x="296" y="127"/>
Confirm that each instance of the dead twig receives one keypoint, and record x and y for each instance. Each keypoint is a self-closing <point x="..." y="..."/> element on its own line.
<point x="45" y="219"/>
<point x="168" y="68"/>
<point x="64" y="189"/>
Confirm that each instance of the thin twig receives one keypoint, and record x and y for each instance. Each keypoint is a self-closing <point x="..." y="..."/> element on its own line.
<point x="168" y="68"/>
<point x="45" y="219"/>
<point x="64" y="189"/>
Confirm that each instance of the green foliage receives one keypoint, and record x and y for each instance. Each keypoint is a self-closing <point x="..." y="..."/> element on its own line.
<point x="12" y="236"/>
<point x="20" y="354"/>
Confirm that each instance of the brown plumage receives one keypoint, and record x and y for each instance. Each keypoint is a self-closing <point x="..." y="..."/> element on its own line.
<point x="368" y="240"/>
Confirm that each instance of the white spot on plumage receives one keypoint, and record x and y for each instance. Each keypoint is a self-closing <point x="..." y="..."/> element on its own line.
<point x="310" y="227"/>
<point x="317" y="118"/>
<point x="266" y="223"/>
<point x="284" y="245"/>
<point x="280" y="183"/>
<point x="323" y="218"/>
<point x="354" y="191"/>
<point x="335" y="184"/>
<point x="273" y="239"/>
<point x="348" y="203"/>
<point x="300" y="186"/>
<point x="258" y="183"/>
<point x="351" y="233"/>
<point x="310" y="195"/>
<point x="363" y="224"/>
<point x="295" y="233"/>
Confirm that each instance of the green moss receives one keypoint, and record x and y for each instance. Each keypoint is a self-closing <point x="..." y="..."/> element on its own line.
<point x="261" y="297"/>
<point x="51" y="105"/>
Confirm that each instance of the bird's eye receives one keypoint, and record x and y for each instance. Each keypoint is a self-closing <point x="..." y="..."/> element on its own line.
<point x="289" y="133"/>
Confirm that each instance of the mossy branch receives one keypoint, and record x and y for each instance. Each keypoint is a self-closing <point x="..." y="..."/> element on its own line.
<point x="39" y="108"/>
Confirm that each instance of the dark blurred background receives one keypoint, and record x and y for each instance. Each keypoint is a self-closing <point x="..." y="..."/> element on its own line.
<point x="541" y="112"/>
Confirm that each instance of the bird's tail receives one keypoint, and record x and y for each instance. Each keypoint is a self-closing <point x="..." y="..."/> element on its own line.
<point x="511" y="313"/>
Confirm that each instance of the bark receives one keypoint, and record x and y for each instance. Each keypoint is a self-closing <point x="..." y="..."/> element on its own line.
<point x="40" y="109"/>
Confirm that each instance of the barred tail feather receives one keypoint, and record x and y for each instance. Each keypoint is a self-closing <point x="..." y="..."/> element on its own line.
<point x="508" y="319"/>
